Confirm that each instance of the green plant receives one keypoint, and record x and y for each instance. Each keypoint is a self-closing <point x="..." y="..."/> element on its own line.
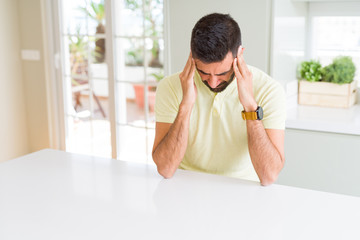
<point x="152" y="28"/>
<point x="96" y="11"/>
<point x="158" y="76"/>
<point x="311" y="71"/>
<point x="341" y="70"/>
<point x="134" y="57"/>
<point x="78" y="48"/>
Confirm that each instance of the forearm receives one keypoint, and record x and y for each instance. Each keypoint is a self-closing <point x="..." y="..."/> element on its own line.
<point x="171" y="150"/>
<point x="265" y="158"/>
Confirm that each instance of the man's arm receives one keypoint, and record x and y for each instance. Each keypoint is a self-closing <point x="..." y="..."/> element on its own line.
<point x="171" y="142"/>
<point x="171" y="139"/>
<point x="266" y="146"/>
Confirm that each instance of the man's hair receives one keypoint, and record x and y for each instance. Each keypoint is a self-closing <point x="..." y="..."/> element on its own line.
<point x="213" y="36"/>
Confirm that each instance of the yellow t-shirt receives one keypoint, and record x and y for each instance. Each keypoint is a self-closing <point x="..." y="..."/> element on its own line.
<point x="217" y="136"/>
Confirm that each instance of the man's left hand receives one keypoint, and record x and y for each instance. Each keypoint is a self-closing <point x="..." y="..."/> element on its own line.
<point x="244" y="82"/>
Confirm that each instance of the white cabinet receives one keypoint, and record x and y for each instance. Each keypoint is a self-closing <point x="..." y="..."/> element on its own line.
<point x="322" y="161"/>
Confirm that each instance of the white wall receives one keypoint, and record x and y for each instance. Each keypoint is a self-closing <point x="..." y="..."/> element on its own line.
<point x="30" y="20"/>
<point x="13" y="118"/>
<point x="253" y="18"/>
<point x="289" y="39"/>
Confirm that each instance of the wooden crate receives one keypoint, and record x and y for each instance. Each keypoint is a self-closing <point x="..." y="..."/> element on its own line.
<point x="326" y="94"/>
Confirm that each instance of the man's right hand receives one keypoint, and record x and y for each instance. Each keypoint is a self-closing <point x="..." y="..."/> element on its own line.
<point x="171" y="138"/>
<point x="187" y="83"/>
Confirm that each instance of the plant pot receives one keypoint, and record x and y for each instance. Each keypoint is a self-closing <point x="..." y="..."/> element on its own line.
<point x="327" y="94"/>
<point x="139" y="96"/>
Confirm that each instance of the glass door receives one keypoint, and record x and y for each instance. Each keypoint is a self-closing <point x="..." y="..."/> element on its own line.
<point x="135" y="35"/>
<point x="139" y="64"/>
<point x="85" y="77"/>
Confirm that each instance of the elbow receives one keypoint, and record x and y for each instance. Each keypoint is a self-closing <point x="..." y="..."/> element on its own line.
<point x="268" y="180"/>
<point x="164" y="169"/>
<point x="271" y="176"/>
<point x="165" y="172"/>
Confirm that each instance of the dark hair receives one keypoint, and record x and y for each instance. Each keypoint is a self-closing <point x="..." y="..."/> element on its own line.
<point x="213" y="36"/>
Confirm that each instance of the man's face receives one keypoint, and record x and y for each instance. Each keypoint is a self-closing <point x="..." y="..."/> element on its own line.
<point x="216" y="75"/>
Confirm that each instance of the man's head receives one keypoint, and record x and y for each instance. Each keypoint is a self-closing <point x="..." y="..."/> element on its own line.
<point x="215" y="40"/>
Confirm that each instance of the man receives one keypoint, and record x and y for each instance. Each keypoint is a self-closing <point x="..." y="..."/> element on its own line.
<point x="199" y="112"/>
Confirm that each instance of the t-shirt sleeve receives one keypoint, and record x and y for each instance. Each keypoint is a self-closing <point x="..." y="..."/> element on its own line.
<point x="167" y="100"/>
<point x="274" y="106"/>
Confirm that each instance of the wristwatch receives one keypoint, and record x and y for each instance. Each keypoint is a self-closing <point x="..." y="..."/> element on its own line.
<point x="257" y="115"/>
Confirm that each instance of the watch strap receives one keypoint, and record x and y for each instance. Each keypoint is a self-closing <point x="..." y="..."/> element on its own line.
<point x="249" y="115"/>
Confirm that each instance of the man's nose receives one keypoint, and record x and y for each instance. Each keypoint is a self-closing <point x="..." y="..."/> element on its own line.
<point x="213" y="81"/>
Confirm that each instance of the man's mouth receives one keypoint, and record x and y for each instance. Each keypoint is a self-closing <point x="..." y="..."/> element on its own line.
<point x="221" y="87"/>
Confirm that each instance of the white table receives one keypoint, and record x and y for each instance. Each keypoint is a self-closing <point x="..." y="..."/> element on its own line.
<point x="56" y="195"/>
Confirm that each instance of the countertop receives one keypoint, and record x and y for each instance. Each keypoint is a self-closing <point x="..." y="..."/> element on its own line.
<point x="333" y="120"/>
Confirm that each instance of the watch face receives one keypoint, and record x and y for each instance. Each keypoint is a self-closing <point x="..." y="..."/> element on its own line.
<point x="260" y="113"/>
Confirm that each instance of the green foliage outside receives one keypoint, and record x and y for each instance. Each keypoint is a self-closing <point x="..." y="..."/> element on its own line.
<point x="96" y="11"/>
<point x="341" y="70"/>
<point x="152" y="30"/>
<point x="78" y="48"/>
<point x="158" y="77"/>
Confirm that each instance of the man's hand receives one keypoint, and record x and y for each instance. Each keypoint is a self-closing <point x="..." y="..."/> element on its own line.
<point x="171" y="139"/>
<point x="187" y="83"/>
<point x="244" y="82"/>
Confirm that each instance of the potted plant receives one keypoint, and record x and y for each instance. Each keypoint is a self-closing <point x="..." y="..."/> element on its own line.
<point x="331" y="86"/>
<point x="139" y="92"/>
<point x="341" y="71"/>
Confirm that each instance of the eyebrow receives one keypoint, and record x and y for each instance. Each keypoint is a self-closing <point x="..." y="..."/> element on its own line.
<point x="220" y="74"/>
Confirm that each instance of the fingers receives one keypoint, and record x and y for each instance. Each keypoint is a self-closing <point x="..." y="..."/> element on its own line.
<point x="187" y="75"/>
<point x="193" y="67"/>
<point x="187" y="65"/>
<point x="190" y="67"/>
<point x="236" y="69"/>
<point x="243" y="69"/>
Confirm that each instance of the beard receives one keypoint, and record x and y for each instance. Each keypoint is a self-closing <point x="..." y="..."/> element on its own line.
<point x="221" y="87"/>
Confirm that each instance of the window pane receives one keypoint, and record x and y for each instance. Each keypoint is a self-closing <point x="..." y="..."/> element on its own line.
<point x="98" y="67"/>
<point x="95" y="12"/>
<point x="129" y="18"/>
<point x="86" y="77"/>
<point x="155" y="52"/>
<point x="335" y="36"/>
<point x="97" y="48"/>
<point x="154" y="19"/>
<point x="132" y="144"/>
<point x="139" y="66"/>
<point x="100" y="91"/>
<point x="78" y="46"/>
<point x="130" y="60"/>
<point x="131" y="102"/>
<point x="75" y="19"/>
<point x="87" y="136"/>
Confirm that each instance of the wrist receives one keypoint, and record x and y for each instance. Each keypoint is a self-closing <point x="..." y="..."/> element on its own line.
<point x="250" y="107"/>
<point x="185" y="106"/>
